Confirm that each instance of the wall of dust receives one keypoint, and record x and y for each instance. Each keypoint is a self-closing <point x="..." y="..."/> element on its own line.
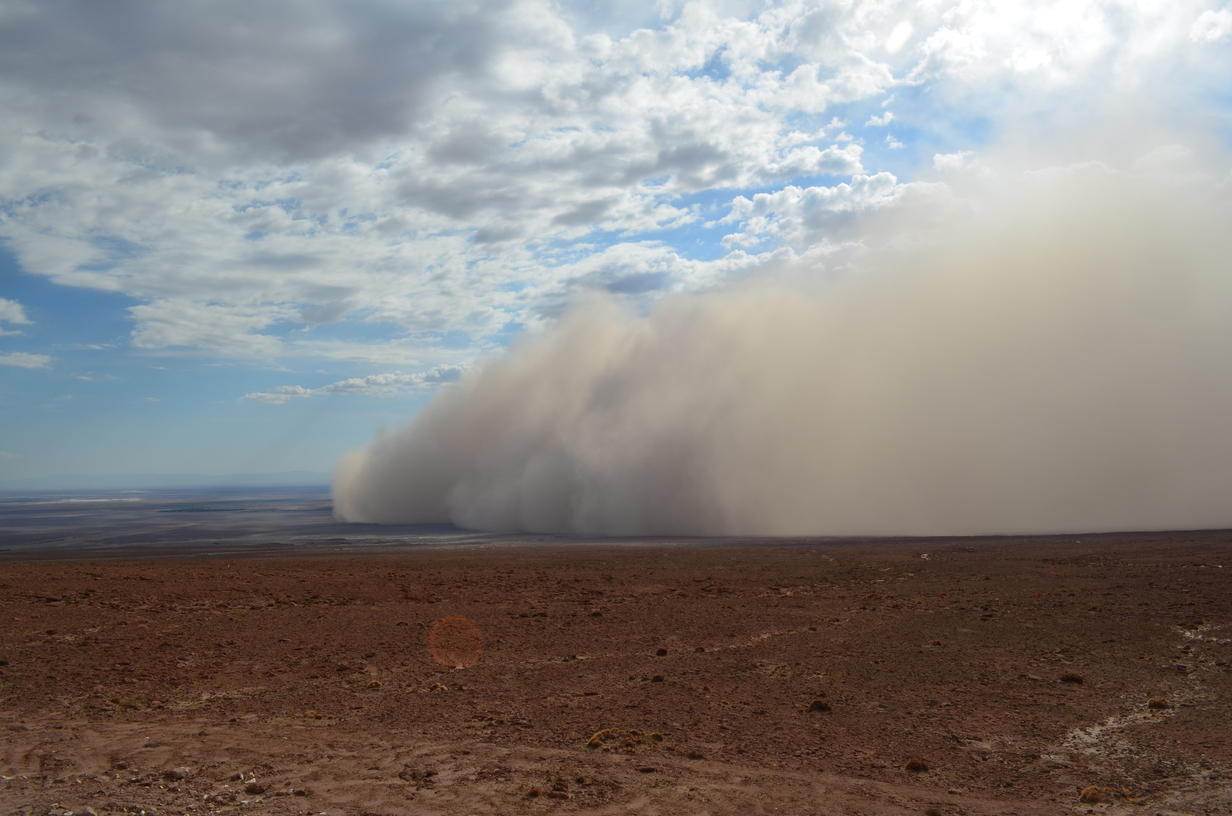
<point x="1058" y="358"/>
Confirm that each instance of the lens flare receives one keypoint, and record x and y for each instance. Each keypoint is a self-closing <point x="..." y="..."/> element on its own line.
<point x="455" y="642"/>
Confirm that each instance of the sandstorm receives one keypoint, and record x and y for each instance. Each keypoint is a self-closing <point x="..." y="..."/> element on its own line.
<point x="1050" y="357"/>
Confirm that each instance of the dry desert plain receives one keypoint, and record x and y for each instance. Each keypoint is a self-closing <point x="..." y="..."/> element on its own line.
<point x="1045" y="675"/>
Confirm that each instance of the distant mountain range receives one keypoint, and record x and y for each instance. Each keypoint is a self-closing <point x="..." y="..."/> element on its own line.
<point x="156" y="481"/>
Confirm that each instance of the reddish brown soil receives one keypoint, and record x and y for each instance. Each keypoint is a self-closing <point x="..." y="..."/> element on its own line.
<point x="1018" y="674"/>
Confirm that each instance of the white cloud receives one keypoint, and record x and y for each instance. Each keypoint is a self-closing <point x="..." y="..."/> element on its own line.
<point x="800" y="217"/>
<point x="952" y="161"/>
<point x="230" y="329"/>
<point x="1212" y="27"/>
<point x="22" y="359"/>
<point x="880" y="121"/>
<point x="899" y="36"/>
<point x="6" y="455"/>
<point x="12" y="312"/>
<point x="381" y="386"/>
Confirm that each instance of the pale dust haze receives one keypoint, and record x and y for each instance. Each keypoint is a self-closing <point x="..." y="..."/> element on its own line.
<point x="1056" y="358"/>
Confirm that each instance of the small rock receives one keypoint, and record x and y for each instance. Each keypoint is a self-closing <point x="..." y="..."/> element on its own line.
<point x="558" y="794"/>
<point x="1070" y="677"/>
<point x="254" y="788"/>
<point x="299" y="792"/>
<point x="658" y="678"/>
<point x="1090" y="795"/>
<point x="916" y="765"/>
<point x="661" y="653"/>
<point x="819" y="706"/>
<point x="177" y="773"/>
<point x="410" y="774"/>
<point x="1158" y="702"/>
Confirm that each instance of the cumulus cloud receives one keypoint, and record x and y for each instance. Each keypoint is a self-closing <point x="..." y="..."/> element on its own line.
<point x="1053" y="360"/>
<point x="803" y="217"/>
<point x="380" y="386"/>
<point x="23" y="359"/>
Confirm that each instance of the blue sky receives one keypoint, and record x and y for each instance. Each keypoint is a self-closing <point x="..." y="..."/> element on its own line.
<point x="241" y="238"/>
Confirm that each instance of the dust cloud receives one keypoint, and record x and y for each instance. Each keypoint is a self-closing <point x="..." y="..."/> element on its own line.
<point x="1054" y="358"/>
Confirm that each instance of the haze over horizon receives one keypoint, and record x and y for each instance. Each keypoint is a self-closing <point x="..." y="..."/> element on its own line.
<point x="868" y="251"/>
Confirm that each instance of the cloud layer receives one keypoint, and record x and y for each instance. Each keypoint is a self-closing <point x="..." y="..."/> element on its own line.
<point x="375" y="385"/>
<point x="1055" y="360"/>
<point x="263" y="180"/>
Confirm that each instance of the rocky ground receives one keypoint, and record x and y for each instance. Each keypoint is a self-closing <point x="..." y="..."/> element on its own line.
<point x="1002" y="676"/>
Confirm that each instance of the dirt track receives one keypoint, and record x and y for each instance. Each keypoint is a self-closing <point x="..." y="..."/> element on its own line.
<point x="305" y="685"/>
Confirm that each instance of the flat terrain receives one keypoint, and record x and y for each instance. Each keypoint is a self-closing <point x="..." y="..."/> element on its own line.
<point x="647" y="677"/>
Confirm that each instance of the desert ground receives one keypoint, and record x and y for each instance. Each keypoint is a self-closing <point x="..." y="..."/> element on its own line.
<point x="1078" y="674"/>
